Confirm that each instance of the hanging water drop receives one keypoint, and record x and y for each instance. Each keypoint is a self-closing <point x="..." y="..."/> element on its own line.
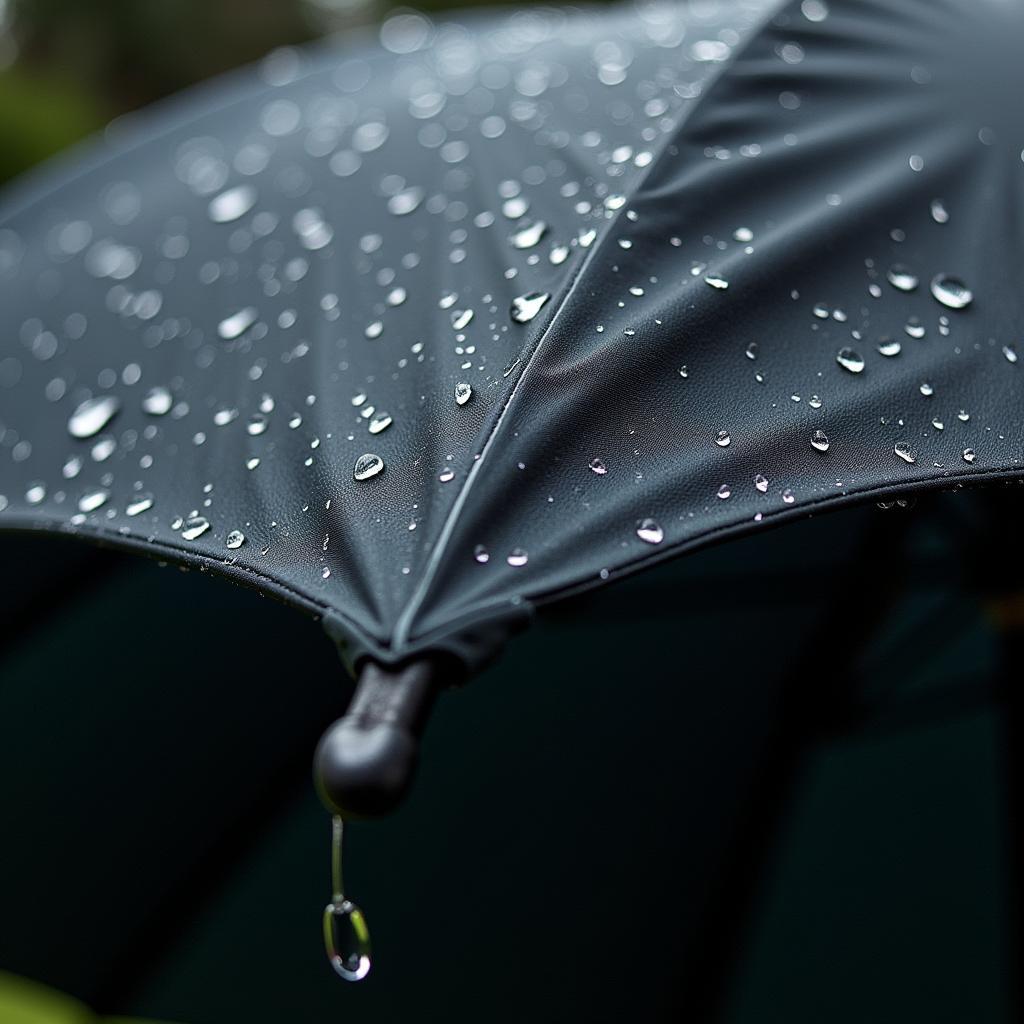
<point x="346" y="935"/>
<point x="92" y="416"/>
<point x="526" y="307"/>
<point x="969" y="455"/>
<point x="649" y="531"/>
<point x="366" y="466"/>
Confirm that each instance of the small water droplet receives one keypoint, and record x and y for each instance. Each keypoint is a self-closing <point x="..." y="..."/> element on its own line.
<point x="157" y="401"/>
<point x="92" y="500"/>
<point x="889" y="347"/>
<point x="93" y="415"/>
<point x="761" y="483"/>
<point x="850" y="360"/>
<point x="379" y="422"/>
<point x="139" y="504"/>
<point x="460" y="318"/>
<point x="788" y="496"/>
<point x="951" y="291"/>
<point x="1010" y="353"/>
<point x="819" y="440"/>
<point x="463" y="393"/>
<point x="716" y="282"/>
<point x="927" y="389"/>
<point x="194" y="527"/>
<point x="234" y="326"/>
<point x="939" y="212"/>
<point x="723" y="492"/>
<point x="905" y="451"/>
<point x="526" y="307"/>
<point x="481" y="554"/>
<point x="597" y="466"/>
<point x="649" y="531"/>
<point x="723" y="440"/>
<point x="517" y="557"/>
<point x="367" y="466"/>
<point x="232" y="204"/>
<point x="902" y="277"/>
<point x="446" y="475"/>
<point x="969" y="455"/>
<point x="405" y="202"/>
<point x="528" y="237"/>
<point x="235" y="539"/>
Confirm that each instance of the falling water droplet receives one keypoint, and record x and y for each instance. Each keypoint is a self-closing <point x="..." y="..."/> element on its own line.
<point x="93" y="415"/>
<point x="235" y="539"/>
<point x="463" y="393"/>
<point x="902" y="277"/>
<point x="367" y="465"/>
<point x="346" y="935"/>
<point x="819" y="440"/>
<point x="650" y="531"/>
<point x="850" y="360"/>
<point x="905" y="452"/>
<point x="597" y="466"/>
<point x="951" y="291"/>
<point x="723" y="440"/>
<point x="526" y="307"/>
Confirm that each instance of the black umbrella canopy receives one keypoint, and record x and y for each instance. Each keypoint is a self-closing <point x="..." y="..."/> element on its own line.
<point x="420" y="333"/>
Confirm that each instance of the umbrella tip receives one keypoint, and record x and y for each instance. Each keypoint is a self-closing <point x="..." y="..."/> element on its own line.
<point x="365" y="762"/>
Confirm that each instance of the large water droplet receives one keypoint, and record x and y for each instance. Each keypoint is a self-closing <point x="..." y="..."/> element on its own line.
<point x="649" y="531"/>
<point x="850" y="360"/>
<point x="346" y="934"/>
<point x="367" y="465"/>
<point x="526" y="307"/>
<point x="951" y="291"/>
<point x="93" y="415"/>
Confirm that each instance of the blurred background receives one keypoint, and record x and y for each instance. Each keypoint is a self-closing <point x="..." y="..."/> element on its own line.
<point x="816" y="837"/>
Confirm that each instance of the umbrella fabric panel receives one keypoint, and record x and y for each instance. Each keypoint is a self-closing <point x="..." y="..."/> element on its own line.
<point x="774" y="324"/>
<point x="303" y="272"/>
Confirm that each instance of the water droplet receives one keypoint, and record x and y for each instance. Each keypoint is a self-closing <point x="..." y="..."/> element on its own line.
<point x="367" y="465"/>
<point x="649" y="531"/>
<point x="927" y="389"/>
<point x="234" y="326"/>
<point x="463" y="393"/>
<point x="1010" y="353"/>
<point x="526" y="307"/>
<point x="788" y="496"/>
<point x="761" y="483"/>
<point x="939" y="212"/>
<point x="723" y="492"/>
<point x="716" y="282"/>
<point x="528" y="237"/>
<point x="235" y="539"/>
<point x="905" y="451"/>
<point x="257" y="424"/>
<point x="461" y="318"/>
<point x="723" y="440"/>
<point x="379" y="422"/>
<point x="969" y="455"/>
<point x="92" y="500"/>
<point x="889" y="347"/>
<point x="820" y="441"/>
<point x="951" y="291"/>
<point x="194" y="527"/>
<point x="446" y="475"/>
<point x="597" y="466"/>
<point x="481" y="554"/>
<point x="405" y="202"/>
<point x="902" y="277"/>
<point x="139" y="504"/>
<point x="157" y="401"/>
<point x="346" y="934"/>
<point x="517" y="557"/>
<point x="914" y="328"/>
<point x="93" y="415"/>
<point x="850" y="360"/>
<point x="232" y="204"/>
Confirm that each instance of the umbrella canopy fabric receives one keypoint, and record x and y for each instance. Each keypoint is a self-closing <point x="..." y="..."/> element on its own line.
<point x="424" y="332"/>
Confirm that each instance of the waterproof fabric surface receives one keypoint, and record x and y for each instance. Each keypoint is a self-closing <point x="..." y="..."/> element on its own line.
<point x="592" y="289"/>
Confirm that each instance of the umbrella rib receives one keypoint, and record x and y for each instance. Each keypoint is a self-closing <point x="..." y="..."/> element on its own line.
<point x="402" y="630"/>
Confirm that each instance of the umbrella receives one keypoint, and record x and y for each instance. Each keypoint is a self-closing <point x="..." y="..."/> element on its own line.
<point x="427" y="334"/>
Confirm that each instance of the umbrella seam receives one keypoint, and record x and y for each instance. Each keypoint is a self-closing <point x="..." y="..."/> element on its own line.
<point x="401" y="633"/>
